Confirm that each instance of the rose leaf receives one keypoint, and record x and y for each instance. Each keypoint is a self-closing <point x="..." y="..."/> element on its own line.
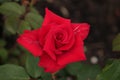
<point x="13" y="72"/>
<point x="110" y="72"/>
<point x="32" y="66"/>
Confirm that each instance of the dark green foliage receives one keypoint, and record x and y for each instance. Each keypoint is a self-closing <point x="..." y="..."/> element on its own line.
<point x="13" y="72"/>
<point x="32" y="66"/>
<point x="83" y="71"/>
<point x="110" y="72"/>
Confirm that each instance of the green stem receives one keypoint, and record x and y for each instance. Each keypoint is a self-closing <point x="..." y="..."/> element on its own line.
<point x="53" y="76"/>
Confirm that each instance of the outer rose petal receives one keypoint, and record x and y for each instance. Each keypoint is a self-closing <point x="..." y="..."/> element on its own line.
<point x="29" y="40"/>
<point x="82" y="29"/>
<point x="48" y="64"/>
<point x="73" y="55"/>
<point x="51" y="17"/>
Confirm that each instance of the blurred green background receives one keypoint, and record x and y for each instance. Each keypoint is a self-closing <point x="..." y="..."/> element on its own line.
<point x="102" y="45"/>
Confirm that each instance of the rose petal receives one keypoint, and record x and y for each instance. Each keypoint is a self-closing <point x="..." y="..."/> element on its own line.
<point x="29" y="40"/>
<point x="42" y="33"/>
<point x="49" y="46"/>
<point x="68" y="45"/>
<point x="73" y="55"/>
<point x="51" y="17"/>
<point x="48" y="64"/>
<point x="81" y="28"/>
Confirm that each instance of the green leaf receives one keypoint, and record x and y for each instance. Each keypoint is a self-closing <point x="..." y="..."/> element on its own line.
<point x="32" y="66"/>
<point x="74" y="68"/>
<point x="35" y="20"/>
<point x="3" y="54"/>
<point x="12" y="12"/>
<point x="23" y="49"/>
<point x="88" y="72"/>
<point x="23" y="59"/>
<point x="24" y="26"/>
<point x="2" y="43"/>
<point x="13" y="72"/>
<point x="61" y="73"/>
<point x="46" y="76"/>
<point x="83" y="71"/>
<point x="110" y="72"/>
<point x="10" y="8"/>
<point x="116" y="43"/>
<point x="11" y="24"/>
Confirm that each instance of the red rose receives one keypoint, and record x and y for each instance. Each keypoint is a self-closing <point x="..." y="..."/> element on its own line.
<point x="58" y="42"/>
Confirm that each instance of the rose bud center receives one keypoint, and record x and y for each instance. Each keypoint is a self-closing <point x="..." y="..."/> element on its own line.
<point x="59" y="36"/>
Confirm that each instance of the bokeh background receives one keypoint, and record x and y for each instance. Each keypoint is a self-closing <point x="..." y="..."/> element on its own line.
<point x="100" y="45"/>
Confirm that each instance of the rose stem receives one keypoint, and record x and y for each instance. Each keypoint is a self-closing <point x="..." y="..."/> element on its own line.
<point x="53" y="76"/>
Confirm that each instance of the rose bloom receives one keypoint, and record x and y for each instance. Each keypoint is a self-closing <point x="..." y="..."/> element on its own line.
<point x="57" y="43"/>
